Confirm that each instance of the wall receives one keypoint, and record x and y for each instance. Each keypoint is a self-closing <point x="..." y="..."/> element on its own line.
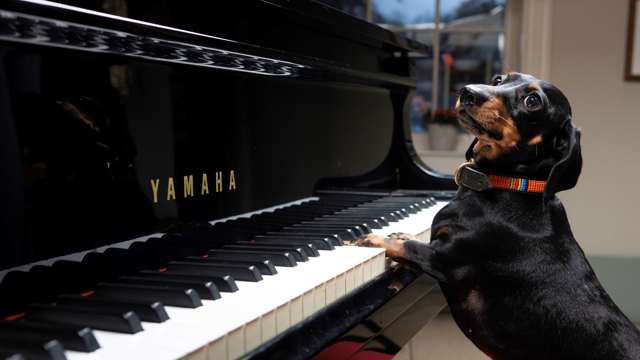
<point x="587" y="52"/>
<point x="586" y="62"/>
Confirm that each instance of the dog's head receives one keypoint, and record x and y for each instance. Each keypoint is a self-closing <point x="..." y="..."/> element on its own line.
<point x="522" y="125"/>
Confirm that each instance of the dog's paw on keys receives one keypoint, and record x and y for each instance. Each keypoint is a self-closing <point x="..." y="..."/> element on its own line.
<point x="370" y="240"/>
<point x="393" y="244"/>
<point x="402" y="236"/>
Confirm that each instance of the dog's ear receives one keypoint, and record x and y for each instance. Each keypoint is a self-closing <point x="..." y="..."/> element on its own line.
<point x="469" y="154"/>
<point x="564" y="174"/>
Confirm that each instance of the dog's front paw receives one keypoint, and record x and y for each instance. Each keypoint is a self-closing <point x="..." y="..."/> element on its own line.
<point x="402" y="236"/>
<point x="370" y="240"/>
<point x="393" y="247"/>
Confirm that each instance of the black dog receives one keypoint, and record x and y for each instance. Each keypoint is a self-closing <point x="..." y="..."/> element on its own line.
<point x="517" y="282"/>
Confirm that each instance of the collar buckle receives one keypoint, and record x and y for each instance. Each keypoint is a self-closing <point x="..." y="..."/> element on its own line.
<point x="471" y="178"/>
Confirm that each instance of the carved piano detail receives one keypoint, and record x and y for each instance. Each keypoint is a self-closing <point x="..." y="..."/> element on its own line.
<point x="181" y="182"/>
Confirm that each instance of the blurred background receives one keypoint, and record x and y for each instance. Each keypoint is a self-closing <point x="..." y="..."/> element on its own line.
<point x="582" y="46"/>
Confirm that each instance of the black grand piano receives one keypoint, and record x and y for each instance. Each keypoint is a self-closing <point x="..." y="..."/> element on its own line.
<point x="168" y="168"/>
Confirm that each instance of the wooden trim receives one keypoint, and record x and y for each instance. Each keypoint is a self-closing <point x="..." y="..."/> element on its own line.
<point x="537" y="38"/>
<point x="628" y="76"/>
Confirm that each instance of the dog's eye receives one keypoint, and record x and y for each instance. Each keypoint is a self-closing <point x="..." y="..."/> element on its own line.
<point x="533" y="102"/>
<point x="496" y="81"/>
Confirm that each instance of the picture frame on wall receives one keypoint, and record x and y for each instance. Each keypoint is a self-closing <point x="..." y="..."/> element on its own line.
<point x="632" y="65"/>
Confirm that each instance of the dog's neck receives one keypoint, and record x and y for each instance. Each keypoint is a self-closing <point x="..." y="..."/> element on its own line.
<point x="531" y="162"/>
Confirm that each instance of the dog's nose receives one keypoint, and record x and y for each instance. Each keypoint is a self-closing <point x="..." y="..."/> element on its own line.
<point x="471" y="97"/>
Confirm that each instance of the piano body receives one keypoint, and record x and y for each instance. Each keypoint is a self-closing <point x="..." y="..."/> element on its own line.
<point x="179" y="179"/>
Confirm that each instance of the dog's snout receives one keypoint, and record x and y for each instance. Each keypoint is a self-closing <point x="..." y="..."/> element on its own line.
<point x="471" y="97"/>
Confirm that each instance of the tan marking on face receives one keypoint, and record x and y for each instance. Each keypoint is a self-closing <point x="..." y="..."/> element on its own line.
<point x="442" y="230"/>
<point x="493" y="115"/>
<point x="535" y="140"/>
<point x="534" y="86"/>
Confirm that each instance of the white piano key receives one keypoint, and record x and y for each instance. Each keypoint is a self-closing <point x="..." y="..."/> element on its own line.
<point x="319" y="294"/>
<point x="296" y="310"/>
<point x="358" y="276"/>
<point x="200" y="354"/>
<point x="349" y="281"/>
<point x="341" y="288"/>
<point x="235" y="343"/>
<point x="253" y="334"/>
<point x="283" y="318"/>
<point x="217" y="349"/>
<point x="330" y="291"/>
<point x="308" y="304"/>
<point x="268" y="326"/>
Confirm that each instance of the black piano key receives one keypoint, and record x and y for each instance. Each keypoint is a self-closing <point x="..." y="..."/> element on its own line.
<point x="298" y="253"/>
<point x="147" y="311"/>
<point x="224" y="283"/>
<point x="370" y="223"/>
<point x="150" y="256"/>
<point x="51" y="350"/>
<point x="48" y="284"/>
<point x="206" y="289"/>
<point x="239" y="272"/>
<point x="78" y="338"/>
<point x="403" y="213"/>
<point x="361" y="226"/>
<point x="79" y="273"/>
<point x="342" y="233"/>
<point x="127" y="262"/>
<point x="345" y="231"/>
<point x="124" y="322"/>
<point x="335" y="239"/>
<point x="279" y="258"/>
<point x="170" y="296"/>
<point x="320" y="242"/>
<point x="309" y="248"/>
<point x="391" y="215"/>
<point x="265" y="267"/>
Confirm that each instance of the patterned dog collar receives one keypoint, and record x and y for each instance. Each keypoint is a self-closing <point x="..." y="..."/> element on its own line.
<point x="476" y="180"/>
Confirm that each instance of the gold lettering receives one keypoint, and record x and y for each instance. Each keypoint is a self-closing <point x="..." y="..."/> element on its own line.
<point x="155" y="184"/>
<point x="188" y="186"/>
<point x="205" y="185"/>
<point x="232" y="180"/>
<point x="218" y="181"/>
<point x="171" y="190"/>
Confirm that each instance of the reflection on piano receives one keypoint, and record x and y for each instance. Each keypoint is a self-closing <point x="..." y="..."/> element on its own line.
<point x="186" y="184"/>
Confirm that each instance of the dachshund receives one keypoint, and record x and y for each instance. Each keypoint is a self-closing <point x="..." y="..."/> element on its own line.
<point x="517" y="283"/>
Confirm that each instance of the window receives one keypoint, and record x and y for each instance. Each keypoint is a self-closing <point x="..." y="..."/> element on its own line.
<point x="467" y="39"/>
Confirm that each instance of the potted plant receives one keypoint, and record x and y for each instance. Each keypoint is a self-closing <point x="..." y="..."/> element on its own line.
<point x="443" y="130"/>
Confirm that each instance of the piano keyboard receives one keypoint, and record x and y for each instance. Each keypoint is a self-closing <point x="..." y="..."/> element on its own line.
<point x="214" y="291"/>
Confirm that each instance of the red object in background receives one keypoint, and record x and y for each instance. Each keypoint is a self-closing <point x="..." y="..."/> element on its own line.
<point x="343" y="350"/>
<point x="339" y="350"/>
<point x="447" y="59"/>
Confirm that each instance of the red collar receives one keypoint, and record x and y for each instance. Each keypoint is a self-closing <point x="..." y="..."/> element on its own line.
<point x="476" y="180"/>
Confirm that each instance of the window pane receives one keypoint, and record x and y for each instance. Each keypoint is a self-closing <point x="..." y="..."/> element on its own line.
<point x="470" y="51"/>
<point x="461" y="13"/>
<point x="465" y="58"/>
<point x="404" y="12"/>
